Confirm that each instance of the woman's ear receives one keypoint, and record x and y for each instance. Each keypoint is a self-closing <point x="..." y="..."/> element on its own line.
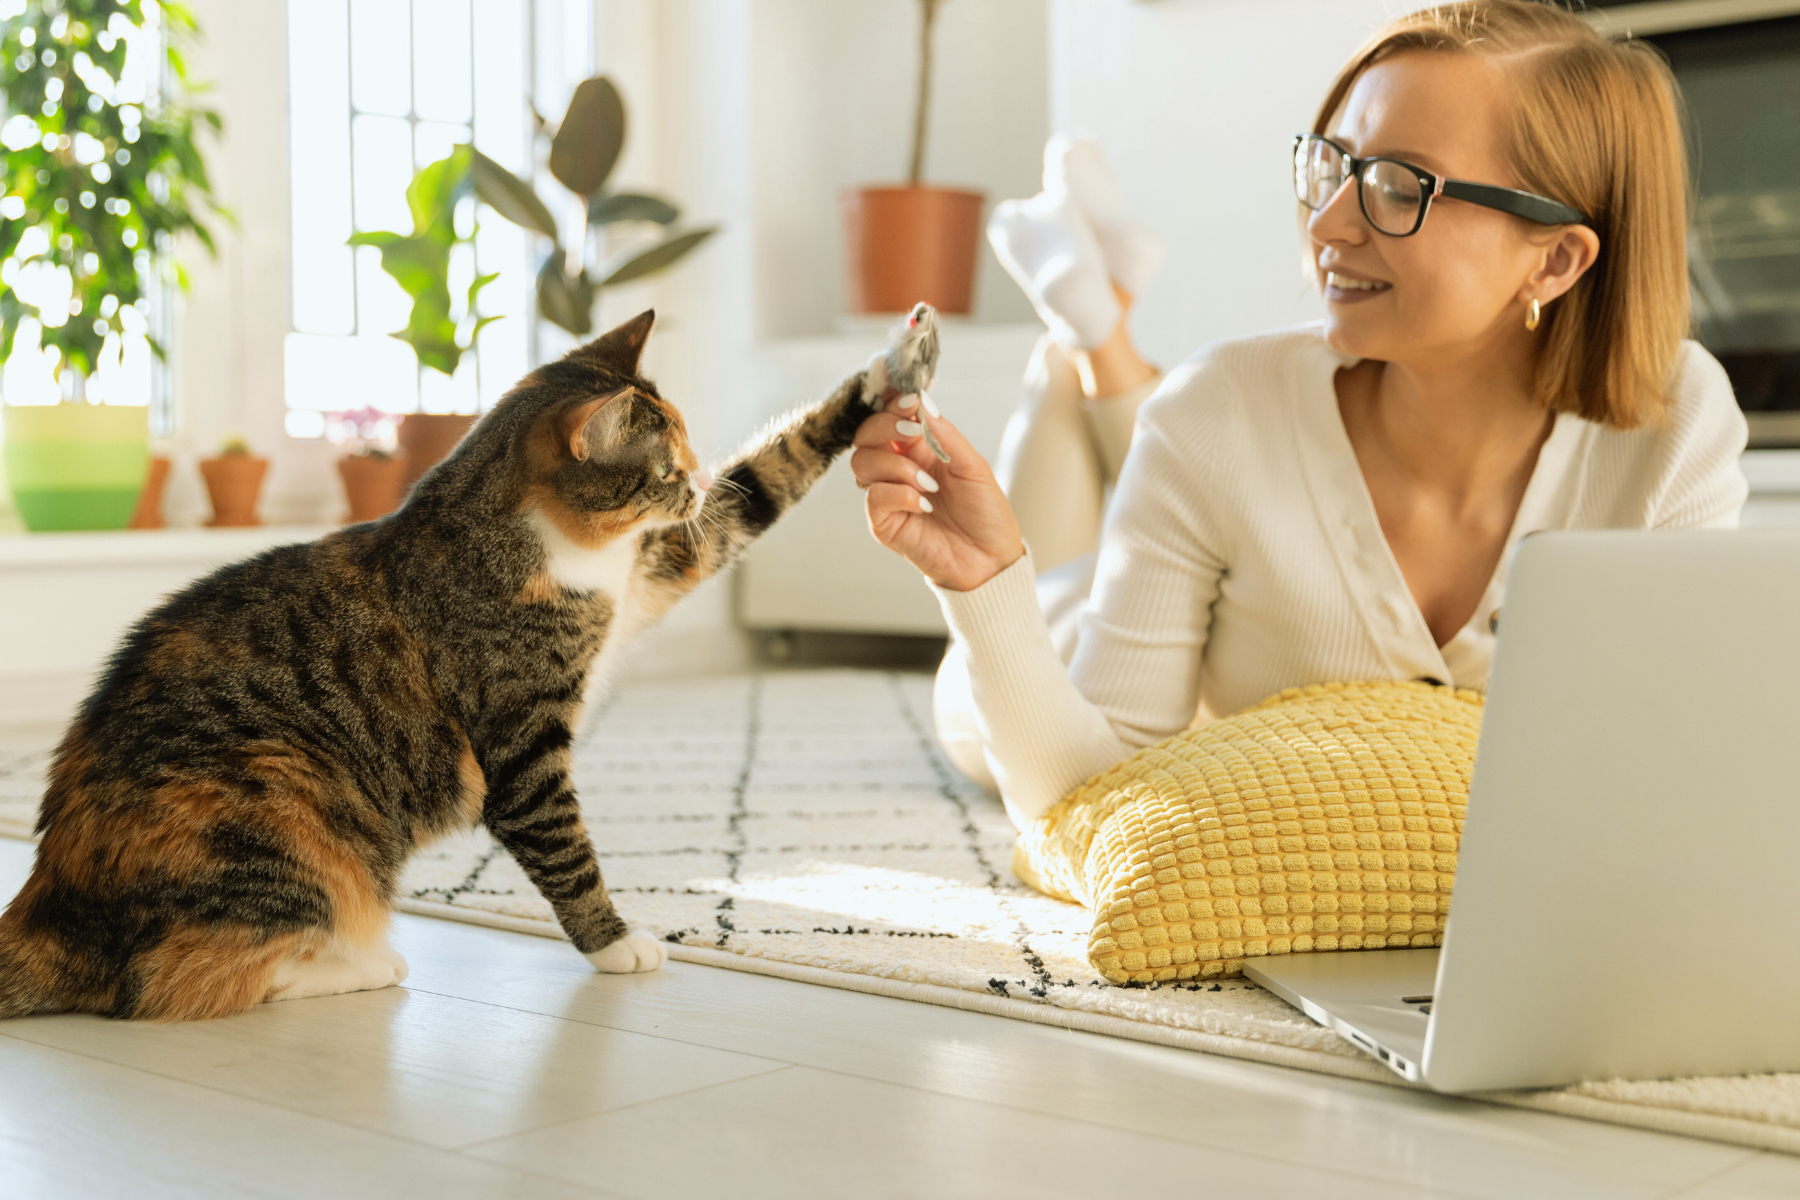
<point x="1566" y="259"/>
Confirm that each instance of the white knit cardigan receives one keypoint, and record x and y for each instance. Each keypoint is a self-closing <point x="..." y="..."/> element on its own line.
<point x="1242" y="555"/>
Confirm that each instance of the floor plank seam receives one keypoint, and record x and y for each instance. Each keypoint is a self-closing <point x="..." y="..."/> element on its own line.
<point x="693" y="1091"/>
<point x="1682" y="1190"/>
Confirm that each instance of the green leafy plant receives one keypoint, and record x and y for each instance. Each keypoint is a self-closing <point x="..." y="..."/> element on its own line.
<point x="420" y="263"/>
<point x="96" y="187"/>
<point x="584" y="149"/>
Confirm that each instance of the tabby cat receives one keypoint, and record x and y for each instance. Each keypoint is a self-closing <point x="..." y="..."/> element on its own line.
<point x="229" y="814"/>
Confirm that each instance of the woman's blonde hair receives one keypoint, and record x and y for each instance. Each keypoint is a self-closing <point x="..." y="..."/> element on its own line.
<point x="1596" y="124"/>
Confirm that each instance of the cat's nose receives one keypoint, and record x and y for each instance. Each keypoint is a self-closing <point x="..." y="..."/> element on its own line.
<point x="702" y="479"/>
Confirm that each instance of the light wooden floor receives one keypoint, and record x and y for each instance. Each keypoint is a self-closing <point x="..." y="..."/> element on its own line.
<point x="505" y="1067"/>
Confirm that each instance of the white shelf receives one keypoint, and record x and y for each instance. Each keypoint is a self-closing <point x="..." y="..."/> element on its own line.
<point x="128" y="547"/>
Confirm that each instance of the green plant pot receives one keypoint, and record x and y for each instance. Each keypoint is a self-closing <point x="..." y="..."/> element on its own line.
<point x="76" y="466"/>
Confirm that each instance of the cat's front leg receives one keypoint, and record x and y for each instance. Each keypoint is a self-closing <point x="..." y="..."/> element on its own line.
<point x="774" y="473"/>
<point x="531" y="810"/>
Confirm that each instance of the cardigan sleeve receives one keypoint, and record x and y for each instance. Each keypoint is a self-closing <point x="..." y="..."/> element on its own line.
<point x="1136" y="675"/>
<point x="1041" y="735"/>
<point x="1144" y="631"/>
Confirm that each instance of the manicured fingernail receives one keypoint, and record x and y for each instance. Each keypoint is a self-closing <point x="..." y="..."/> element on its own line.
<point x="924" y="504"/>
<point x="908" y="428"/>
<point x="907" y="402"/>
<point x="926" y="481"/>
<point x="929" y="406"/>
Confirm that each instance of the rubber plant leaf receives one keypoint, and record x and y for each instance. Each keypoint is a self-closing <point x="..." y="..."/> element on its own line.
<point x="631" y="206"/>
<point x="510" y="196"/>
<point x="564" y="301"/>
<point x="664" y="254"/>
<point x="588" y="141"/>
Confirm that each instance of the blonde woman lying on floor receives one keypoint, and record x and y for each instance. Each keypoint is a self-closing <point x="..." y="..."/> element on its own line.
<point x="1503" y="351"/>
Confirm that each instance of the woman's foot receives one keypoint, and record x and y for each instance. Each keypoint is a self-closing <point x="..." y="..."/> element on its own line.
<point x="1045" y="244"/>
<point x="1074" y="166"/>
<point x="1071" y="248"/>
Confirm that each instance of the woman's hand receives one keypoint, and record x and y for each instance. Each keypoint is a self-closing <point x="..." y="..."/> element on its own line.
<point x="949" y="519"/>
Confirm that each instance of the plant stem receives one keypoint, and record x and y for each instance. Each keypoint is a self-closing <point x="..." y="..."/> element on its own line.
<point x="917" y="172"/>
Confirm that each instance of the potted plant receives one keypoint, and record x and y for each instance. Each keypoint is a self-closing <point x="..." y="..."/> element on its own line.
<point x="233" y="481"/>
<point x="148" y="513"/>
<point x="99" y="181"/>
<point x="913" y="242"/>
<point x="426" y="439"/>
<point x="373" y="472"/>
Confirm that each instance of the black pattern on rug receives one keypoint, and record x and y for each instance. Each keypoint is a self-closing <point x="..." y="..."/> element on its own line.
<point x="810" y="818"/>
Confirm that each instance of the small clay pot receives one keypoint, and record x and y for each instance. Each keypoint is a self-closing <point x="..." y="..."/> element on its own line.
<point x="907" y="244"/>
<point x="149" y="514"/>
<point x="373" y="483"/>
<point x="427" y="438"/>
<point x="233" y="482"/>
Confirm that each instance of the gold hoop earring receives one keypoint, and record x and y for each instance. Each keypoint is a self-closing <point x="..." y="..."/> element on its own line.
<point x="1531" y="315"/>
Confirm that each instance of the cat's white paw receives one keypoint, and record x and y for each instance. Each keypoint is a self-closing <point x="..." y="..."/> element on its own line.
<point x="636" y="951"/>
<point x="401" y="970"/>
<point x="336" y="970"/>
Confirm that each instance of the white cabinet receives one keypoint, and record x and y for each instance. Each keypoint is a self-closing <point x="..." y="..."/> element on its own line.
<point x="819" y="567"/>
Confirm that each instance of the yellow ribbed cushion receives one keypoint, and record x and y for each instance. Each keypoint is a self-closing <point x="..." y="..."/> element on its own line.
<point x="1324" y="818"/>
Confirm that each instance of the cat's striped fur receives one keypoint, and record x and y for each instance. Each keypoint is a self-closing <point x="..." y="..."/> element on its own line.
<point x="229" y="814"/>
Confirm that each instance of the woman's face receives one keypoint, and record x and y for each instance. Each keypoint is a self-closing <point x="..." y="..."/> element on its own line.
<point x="1457" y="288"/>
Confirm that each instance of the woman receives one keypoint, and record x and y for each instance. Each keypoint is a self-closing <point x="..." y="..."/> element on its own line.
<point x="1495" y="206"/>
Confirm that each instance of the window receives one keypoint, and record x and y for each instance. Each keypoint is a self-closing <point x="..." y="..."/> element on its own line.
<point x="380" y="88"/>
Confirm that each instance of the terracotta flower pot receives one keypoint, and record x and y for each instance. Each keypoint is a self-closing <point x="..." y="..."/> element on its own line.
<point x="427" y="438"/>
<point x="373" y="483"/>
<point x="906" y="244"/>
<point x="149" y="514"/>
<point x="232" y="484"/>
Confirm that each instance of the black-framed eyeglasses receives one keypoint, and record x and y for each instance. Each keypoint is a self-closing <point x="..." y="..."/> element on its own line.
<point x="1395" y="195"/>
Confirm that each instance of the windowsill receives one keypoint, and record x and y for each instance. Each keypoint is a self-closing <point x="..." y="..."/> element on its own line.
<point x="127" y="546"/>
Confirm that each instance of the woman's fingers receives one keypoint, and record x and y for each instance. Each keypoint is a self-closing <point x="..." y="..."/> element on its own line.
<point x="895" y="431"/>
<point x="885" y="427"/>
<point x="881" y="465"/>
<point x="888" y="501"/>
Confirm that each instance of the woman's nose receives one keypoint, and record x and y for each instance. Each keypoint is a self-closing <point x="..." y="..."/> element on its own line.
<point x="1341" y="219"/>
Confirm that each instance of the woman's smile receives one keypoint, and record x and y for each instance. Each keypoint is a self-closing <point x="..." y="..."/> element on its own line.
<point x="1345" y="288"/>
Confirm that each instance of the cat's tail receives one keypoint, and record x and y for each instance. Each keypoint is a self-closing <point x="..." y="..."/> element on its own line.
<point x="23" y="987"/>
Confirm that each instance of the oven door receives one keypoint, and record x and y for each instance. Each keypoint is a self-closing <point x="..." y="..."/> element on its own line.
<point x="1738" y="63"/>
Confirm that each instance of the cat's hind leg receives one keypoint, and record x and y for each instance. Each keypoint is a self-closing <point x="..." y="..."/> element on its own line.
<point x="337" y="967"/>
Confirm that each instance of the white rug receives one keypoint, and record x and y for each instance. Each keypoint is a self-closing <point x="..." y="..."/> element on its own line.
<point x="805" y="825"/>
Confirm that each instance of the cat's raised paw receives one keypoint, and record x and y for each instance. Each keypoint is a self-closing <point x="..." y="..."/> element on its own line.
<point x="636" y="951"/>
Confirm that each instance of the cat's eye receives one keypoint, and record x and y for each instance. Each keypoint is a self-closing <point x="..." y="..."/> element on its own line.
<point x="663" y="469"/>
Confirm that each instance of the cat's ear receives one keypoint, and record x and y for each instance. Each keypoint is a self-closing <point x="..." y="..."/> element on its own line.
<point x="598" y="426"/>
<point x="620" y="349"/>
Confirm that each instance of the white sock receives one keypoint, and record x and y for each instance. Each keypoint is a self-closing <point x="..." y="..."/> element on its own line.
<point x="1073" y="164"/>
<point x="1045" y="244"/>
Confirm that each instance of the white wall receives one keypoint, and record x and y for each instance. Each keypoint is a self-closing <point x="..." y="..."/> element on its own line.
<point x="228" y="360"/>
<point x="1195" y="102"/>
<point x="831" y="107"/>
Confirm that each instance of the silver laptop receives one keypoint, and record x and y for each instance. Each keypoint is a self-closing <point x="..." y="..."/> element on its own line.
<point x="1627" y="896"/>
